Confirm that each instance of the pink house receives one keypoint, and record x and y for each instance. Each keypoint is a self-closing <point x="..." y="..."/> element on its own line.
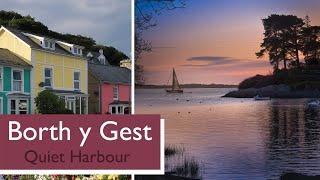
<point x="115" y="98"/>
<point x="109" y="89"/>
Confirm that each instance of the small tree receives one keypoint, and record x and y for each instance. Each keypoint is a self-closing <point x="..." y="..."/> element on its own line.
<point x="49" y="103"/>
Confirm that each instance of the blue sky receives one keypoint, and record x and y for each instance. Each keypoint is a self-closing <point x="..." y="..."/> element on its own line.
<point x="106" y="21"/>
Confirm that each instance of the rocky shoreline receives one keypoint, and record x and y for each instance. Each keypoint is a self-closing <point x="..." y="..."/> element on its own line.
<point x="274" y="91"/>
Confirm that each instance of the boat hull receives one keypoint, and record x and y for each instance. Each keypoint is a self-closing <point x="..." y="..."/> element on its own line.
<point x="174" y="90"/>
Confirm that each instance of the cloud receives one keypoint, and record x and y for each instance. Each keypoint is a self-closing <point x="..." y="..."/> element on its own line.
<point x="207" y="58"/>
<point x="211" y="60"/>
<point x="108" y="22"/>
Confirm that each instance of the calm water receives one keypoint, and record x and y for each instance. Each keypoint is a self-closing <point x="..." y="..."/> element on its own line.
<point x="239" y="138"/>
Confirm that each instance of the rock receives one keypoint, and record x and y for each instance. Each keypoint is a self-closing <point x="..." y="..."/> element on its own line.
<point x="297" y="176"/>
<point x="274" y="91"/>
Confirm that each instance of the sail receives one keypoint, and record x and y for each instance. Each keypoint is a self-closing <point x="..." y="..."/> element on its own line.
<point x="175" y="83"/>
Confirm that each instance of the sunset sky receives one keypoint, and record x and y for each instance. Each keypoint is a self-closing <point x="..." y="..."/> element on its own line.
<point x="214" y="41"/>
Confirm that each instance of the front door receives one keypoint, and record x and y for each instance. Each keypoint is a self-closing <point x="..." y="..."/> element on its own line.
<point x="71" y="104"/>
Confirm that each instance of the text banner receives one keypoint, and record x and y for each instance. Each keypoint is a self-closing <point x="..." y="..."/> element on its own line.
<point x="80" y="142"/>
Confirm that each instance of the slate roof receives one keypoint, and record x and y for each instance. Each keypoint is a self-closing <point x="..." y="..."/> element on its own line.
<point x="111" y="74"/>
<point x="95" y="59"/>
<point x="34" y="45"/>
<point x="119" y="102"/>
<point x="58" y="91"/>
<point x="8" y="58"/>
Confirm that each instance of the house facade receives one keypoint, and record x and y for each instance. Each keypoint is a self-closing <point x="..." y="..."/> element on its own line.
<point x="14" y="84"/>
<point x="58" y="66"/>
<point x="109" y="89"/>
<point x="126" y="63"/>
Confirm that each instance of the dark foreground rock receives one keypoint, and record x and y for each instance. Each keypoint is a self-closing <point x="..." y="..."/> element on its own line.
<point x="297" y="176"/>
<point x="163" y="177"/>
<point x="274" y="91"/>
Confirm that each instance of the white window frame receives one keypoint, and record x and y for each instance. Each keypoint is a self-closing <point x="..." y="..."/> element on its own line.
<point x="22" y="79"/>
<point x="46" y="43"/>
<point x="77" y="71"/>
<point x="117" y="106"/>
<point x="113" y="94"/>
<point x="44" y="76"/>
<point x="75" y="50"/>
<point x="17" y="111"/>
<point x="50" y="44"/>
<point x="1" y="105"/>
<point x="2" y="79"/>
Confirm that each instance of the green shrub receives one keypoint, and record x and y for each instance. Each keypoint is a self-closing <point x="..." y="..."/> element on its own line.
<point x="49" y="103"/>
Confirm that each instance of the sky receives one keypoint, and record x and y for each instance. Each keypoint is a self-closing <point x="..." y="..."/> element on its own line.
<point x="106" y="21"/>
<point x="214" y="41"/>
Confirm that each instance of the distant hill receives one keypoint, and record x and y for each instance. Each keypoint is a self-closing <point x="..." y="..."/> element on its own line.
<point x="187" y="86"/>
<point x="29" y="24"/>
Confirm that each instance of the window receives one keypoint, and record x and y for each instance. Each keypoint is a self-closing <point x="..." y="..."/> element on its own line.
<point x="1" y="80"/>
<point x="13" y="107"/>
<point x="77" y="51"/>
<point x="126" y="110"/>
<point x="23" y="106"/>
<point x="1" y="106"/>
<point x="46" y="44"/>
<point x="120" y="109"/>
<point x="48" y="77"/>
<point x="115" y="92"/>
<point x="83" y="105"/>
<point x="18" y="106"/>
<point x="113" y="110"/>
<point x="76" y="80"/>
<point x="17" y="80"/>
<point x="78" y="104"/>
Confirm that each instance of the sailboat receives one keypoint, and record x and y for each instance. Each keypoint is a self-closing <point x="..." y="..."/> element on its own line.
<point x="175" y="88"/>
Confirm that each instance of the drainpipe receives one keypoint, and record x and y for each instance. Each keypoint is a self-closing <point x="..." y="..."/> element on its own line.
<point x="100" y="90"/>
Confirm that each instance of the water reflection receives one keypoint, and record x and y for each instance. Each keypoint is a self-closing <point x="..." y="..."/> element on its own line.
<point x="293" y="139"/>
<point x="239" y="138"/>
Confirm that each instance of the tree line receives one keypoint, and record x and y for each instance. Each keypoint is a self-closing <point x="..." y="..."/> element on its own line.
<point x="290" y="42"/>
<point x="29" y="24"/>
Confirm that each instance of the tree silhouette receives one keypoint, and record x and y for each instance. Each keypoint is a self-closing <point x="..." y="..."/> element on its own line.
<point x="146" y="12"/>
<point x="311" y="45"/>
<point x="282" y="39"/>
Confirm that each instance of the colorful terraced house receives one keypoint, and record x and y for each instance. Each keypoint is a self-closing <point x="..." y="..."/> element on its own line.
<point x="14" y="84"/>
<point x="109" y="86"/>
<point x="56" y="66"/>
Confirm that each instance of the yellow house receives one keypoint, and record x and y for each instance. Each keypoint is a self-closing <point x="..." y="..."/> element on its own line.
<point x="57" y="66"/>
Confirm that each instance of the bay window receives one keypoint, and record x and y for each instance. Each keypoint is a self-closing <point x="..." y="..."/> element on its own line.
<point x="18" y="106"/>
